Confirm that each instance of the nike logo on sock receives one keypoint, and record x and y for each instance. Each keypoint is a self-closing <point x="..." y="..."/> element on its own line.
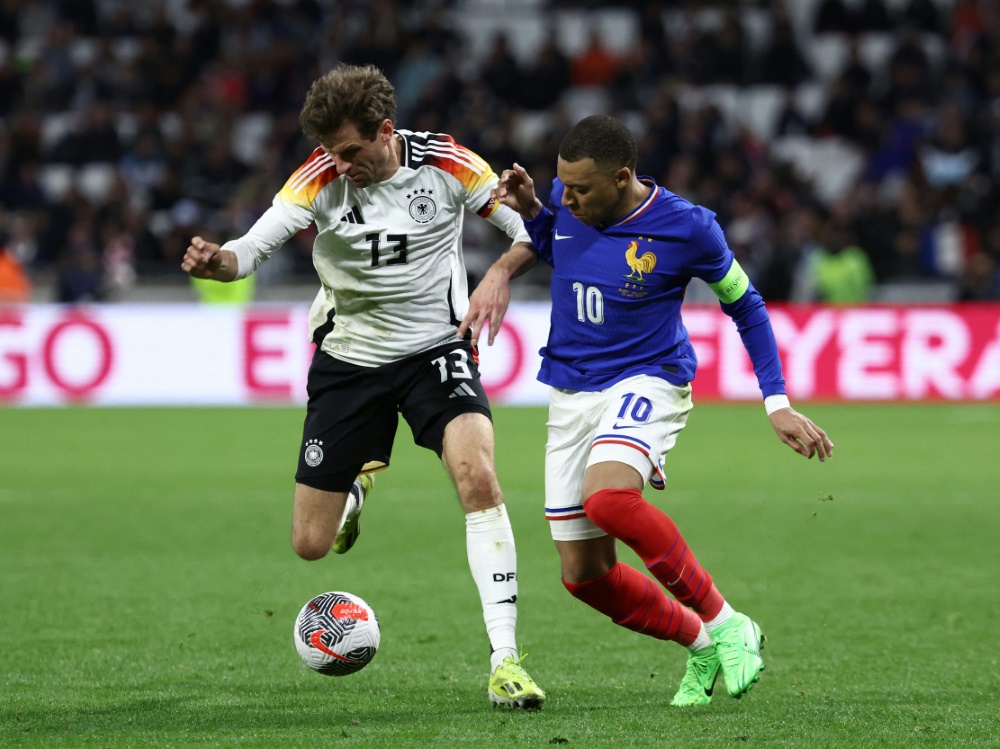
<point x="678" y="577"/>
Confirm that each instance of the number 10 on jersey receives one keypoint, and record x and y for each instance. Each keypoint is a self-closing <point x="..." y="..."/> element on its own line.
<point x="589" y="303"/>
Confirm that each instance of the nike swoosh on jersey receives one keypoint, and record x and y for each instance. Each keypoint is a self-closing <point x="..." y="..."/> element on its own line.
<point x="563" y="236"/>
<point x="624" y="426"/>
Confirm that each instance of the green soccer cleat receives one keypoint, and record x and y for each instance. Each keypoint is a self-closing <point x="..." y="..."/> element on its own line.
<point x="351" y="529"/>
<point x="739" y="642"/>
<point x="510" y="686"/>
<point x="699" y="679"/>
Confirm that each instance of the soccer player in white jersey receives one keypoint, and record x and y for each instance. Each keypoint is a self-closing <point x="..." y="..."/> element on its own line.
<point x="620" y="364"/>
<point x="388" y="206"/>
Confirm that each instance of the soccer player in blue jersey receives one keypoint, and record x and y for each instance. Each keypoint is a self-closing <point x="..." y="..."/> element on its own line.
<point x="620" y="364"/>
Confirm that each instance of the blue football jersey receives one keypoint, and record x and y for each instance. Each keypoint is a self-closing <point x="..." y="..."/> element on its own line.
<point x="617" y="293"/>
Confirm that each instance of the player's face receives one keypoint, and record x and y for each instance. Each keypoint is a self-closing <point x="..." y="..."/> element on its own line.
<point x="363" y="161"/>
<point x="592" y="195"/>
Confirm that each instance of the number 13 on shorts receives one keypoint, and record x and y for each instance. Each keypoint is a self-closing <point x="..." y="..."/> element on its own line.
<point x="453" y="366"/>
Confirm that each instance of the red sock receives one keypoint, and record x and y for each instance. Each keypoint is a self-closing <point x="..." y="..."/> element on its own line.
<point x="624" y="514"/>
<point x="635" y="602"/>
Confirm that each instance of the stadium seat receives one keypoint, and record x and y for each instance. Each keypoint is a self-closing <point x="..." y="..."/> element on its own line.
<point x="618" y="29"/>
<point x="126" y="125"/>
<point x="83" y="50"/>
<point x="160" y="223"/>
<point x="55" y="126"/>
<point x="831" y="164"/>
<point x="126" y="48"/>
<point x="29" y="48"/>
<point x="724" y="97"/>
<point x="811" y="98"/>
<point x="529" y="128"/>
<point x="250" y="132"/>
<point x="581" y="102"/>
<point x="56" y="180"/>
<point x="758" y="108"/>
<point x="827" y="54"/>
<point x="96" y="181"/>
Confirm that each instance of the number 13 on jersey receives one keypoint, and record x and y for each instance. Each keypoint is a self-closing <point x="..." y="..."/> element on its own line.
<point x="395" y="250"/>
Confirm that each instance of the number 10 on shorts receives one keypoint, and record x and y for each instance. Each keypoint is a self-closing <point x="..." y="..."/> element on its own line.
<point x="641" y="408"/>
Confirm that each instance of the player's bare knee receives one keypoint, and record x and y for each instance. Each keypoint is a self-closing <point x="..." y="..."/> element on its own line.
<point x="583" y="561"/>
<point x="583" y="571"/>
<point x="311" y="553"/>
<point x="477" y="485"/>
<point x="310" y="547"/>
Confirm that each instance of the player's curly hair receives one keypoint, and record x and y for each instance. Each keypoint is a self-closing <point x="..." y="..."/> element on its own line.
<point x="361" y="95"/>
<point x="602" y="138"/>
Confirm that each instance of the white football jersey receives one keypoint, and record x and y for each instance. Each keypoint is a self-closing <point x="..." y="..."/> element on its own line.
<point x="389" y="255"/>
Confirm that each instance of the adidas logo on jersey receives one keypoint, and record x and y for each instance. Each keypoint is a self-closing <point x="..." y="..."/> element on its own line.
<point x="353" y="216"/>
<point x="463" y="391"/>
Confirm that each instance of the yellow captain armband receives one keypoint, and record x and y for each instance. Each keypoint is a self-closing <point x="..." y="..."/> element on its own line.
<point x="733" y="285"/>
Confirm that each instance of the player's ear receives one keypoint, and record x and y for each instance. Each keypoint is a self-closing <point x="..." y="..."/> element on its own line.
<point x="622" y="177"/>
<point x="386" y="129"/>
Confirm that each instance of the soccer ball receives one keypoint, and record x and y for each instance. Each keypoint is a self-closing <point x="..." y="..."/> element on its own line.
<point x="337" y="633"/>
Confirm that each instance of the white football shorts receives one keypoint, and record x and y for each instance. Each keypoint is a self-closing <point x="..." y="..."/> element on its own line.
<point x="635" y="422"/>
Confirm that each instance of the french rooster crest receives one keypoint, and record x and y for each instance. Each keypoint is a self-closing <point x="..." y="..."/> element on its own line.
<point x="639" y="264"/>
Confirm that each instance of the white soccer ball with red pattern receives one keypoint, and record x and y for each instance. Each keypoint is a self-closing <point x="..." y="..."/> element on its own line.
<point x="337" y="633"/>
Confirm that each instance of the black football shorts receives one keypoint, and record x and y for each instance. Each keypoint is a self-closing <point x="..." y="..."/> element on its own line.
<point x="352" y="413"/>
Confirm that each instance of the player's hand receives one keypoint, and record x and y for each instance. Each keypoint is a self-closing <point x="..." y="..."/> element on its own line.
<point x="202" y="259"/>
<point x="800" y="434"/>
<point x="488" y="304"/>
<point x="516" y="190"/>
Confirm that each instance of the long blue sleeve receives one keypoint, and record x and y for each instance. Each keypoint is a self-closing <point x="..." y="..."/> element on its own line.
<point x="540" y="230"/>
<point x="741" y="301"/>
<point x="754" y="326"/>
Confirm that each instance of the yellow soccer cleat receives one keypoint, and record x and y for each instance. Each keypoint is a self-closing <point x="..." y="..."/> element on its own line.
<point x="351" y="529"/>
<point x="510" y="686"/>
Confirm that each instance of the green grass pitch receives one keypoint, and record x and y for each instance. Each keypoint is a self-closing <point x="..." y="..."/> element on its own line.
<point x="149" y="588"/>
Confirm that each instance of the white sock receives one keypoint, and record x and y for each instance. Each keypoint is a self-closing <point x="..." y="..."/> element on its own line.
<point x="721" y="618"/>
<point x="489" y="541"/>
<point x="702" y="641"/>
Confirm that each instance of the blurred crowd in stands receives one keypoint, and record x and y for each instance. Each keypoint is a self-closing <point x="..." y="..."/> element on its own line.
<point x="127" y="127"/>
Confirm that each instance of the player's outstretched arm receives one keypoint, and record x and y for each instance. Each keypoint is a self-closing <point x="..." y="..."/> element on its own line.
<point x="801" y="434"/>
<point x="208" y="260"/>
<point x="488" y="303"/>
